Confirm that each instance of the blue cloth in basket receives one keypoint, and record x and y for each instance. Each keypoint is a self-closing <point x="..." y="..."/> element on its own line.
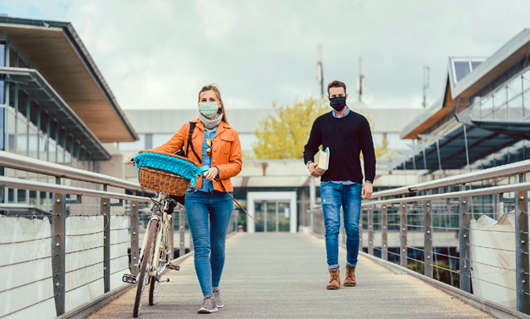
<point x="170" y="164"/>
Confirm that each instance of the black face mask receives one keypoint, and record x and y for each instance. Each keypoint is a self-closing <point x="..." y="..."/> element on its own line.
<point x="337" y="103"/>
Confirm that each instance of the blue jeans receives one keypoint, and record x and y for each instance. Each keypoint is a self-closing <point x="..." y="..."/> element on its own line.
<point x="208" y="215"/>
<point x="332" y="197"/>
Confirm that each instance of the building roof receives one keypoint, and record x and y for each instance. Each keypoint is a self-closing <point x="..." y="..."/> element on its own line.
<point x="56" y="51"/>
<point x="459" y="89"/>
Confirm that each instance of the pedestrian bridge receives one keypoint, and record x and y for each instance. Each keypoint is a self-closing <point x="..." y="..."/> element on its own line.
<point x="63" y="254"/>
<point x="283" y="275"/>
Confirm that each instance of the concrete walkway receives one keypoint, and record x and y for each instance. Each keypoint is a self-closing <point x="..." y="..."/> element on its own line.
<point x="282" y="275"/>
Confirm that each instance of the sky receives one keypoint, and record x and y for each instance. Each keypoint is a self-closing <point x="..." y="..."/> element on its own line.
<point x="157" y="54"/>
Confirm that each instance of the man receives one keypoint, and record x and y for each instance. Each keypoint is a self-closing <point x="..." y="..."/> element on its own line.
<point x="346" y="133"/>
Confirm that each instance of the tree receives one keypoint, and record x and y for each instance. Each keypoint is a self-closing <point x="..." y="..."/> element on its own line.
<point x="284" y="134"/>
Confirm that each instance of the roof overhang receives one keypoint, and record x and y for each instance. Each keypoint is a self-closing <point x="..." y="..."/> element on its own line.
<point x="56" y="51"/>
<point x="458" y="94"/>
<point x="483" y="138"/>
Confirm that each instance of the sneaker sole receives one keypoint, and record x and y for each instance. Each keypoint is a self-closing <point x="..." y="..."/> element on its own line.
<point x="220" y="306"/>
<point x="206" y="311"/>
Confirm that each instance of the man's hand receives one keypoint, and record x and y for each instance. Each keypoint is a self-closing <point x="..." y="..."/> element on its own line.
<point x="366" y="193"/>
<point x="211" y="174"/>
<point x="313" y="171"/>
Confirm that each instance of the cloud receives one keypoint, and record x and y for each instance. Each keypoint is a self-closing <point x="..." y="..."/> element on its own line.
<point x="158" y="54"/>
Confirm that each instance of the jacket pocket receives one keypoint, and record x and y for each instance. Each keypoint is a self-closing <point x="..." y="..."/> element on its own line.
<point x="226" y="144"/>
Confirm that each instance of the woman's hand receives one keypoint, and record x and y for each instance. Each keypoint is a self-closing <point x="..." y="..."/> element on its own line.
<point x="130" y="157"/>
<point x="212" y="173"/>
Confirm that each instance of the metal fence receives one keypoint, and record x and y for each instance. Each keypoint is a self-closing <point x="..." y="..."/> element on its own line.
<point x="72" y="248"/>
<point x="469" y="231"/>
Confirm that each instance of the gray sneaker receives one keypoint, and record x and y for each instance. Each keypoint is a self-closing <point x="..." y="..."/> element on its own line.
<point x="217" y="295"/>
<point x="208" y="305"/>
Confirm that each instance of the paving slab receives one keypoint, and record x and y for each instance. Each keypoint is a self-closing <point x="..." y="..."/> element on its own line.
<point x="283" y="275"/>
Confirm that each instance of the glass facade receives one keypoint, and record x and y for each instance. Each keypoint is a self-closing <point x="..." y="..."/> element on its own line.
<point x="508" y="101"/>
<point x="27" y="129"/>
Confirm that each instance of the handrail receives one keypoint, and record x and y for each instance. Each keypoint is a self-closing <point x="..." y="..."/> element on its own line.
<point x="62" y="189"/>
<point x="379" y="219"/>
<point x="493" y="172"/>
<point x="25" y="163"/>
<point x="467" y="193"/>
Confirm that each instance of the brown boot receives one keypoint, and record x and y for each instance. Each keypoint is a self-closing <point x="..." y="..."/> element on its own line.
<point x="350" y="280"/>
<point x="334" y="279"/>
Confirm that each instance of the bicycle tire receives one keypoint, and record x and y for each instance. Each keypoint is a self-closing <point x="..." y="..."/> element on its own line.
<point x="151" y="233"/>
<point x="155" y="284"/>
<point x="153" y="291"/>
<point x="153" y="288"/>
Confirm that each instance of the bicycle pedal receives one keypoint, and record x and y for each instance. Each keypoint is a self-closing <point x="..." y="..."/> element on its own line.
<point x="173" y="267"/>
<point x="129" y="278"/>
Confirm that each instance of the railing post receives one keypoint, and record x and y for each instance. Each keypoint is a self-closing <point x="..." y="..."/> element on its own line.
<point x="463" y="245"/>
<point x="58" y="251"/>
<point x="522" y="251"/>
<point x="384" y="233"/>
<point x="134" y="239"/>
<point x="371" y="230"/>
<point x="182" y="233"/>
<point x="403" y="258"/>
<point x="105" y="211"/>
<point x="427" y="239"/>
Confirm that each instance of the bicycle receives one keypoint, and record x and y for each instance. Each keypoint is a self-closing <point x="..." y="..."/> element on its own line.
<point x="155" y="254"/>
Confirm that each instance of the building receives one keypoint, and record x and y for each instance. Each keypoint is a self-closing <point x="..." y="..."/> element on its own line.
<point x="156" y="126"/>
<point x="483" y="117"/>
<point x="56" y="105"/>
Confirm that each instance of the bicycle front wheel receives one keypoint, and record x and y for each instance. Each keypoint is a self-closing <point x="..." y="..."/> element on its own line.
<point x="145" y="265"/>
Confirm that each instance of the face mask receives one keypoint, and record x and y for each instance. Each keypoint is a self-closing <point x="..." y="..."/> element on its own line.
<point x="208" y="109"/>
<point x="338" y="103"/>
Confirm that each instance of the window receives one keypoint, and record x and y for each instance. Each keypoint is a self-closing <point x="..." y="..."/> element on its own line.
<point x="461" y="70"/>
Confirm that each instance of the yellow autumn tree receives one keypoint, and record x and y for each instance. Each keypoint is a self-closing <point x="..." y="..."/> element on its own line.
<point x="283" y="134"/>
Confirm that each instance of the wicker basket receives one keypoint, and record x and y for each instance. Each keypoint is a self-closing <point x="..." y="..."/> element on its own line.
<point x="161" y="181"/>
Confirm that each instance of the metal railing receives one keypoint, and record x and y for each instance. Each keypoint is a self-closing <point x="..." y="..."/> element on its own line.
<point x="76" y="251"/>
<point x="475" y="240"/>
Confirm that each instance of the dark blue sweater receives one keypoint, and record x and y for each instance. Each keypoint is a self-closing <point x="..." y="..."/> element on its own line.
<point x="346" y="137"/>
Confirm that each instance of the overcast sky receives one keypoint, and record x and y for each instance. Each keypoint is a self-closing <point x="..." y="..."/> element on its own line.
<point x="157" y="54"/>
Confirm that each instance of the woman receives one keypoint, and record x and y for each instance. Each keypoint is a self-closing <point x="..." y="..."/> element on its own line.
<point x="208" y="206"/>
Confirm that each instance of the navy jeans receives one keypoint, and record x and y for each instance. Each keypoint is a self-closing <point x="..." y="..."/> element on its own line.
<point x="332" y="197"/>
<point x="208" y="215"/>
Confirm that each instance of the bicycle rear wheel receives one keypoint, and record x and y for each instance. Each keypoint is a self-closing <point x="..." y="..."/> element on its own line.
<point x="143" y="275"/>
<point x="163" y="259"/>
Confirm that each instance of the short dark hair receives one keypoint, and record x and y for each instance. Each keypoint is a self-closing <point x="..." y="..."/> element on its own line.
<point x="337" y="84"/>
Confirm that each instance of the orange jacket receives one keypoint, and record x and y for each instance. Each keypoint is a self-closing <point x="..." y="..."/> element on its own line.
<point x="226" y="153"/>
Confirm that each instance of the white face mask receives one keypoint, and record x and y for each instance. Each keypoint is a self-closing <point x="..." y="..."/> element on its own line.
<point x="208" y="109"/>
